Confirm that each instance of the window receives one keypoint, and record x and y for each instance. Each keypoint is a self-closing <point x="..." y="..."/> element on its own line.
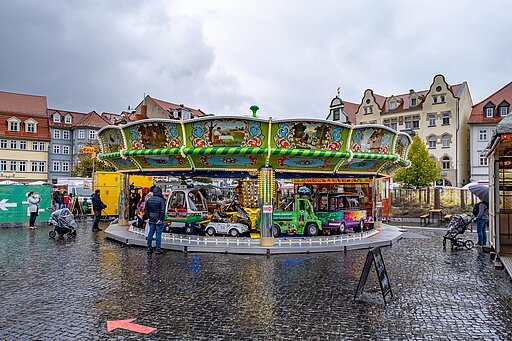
<point x="408" y="122"/>
<point x="56" y="166"/>
<point x="35" y="145"/>
<point x="30" y="127"/>
<point x="413" y="102"/>
<point x="446" y="118"/>
<point x="13" y="144"/>
<point x="435" y="99"/>
<point x="14" y="165"/>
<point x="394" y="124"/>
<point x="489" y="112"/>
<point x="81" y="134"/>
<point x="65" y="134"/>
<point x="3" y="165"/>
<point x="65" y="166"/>
<point x="14" y="126"/>
<point x="92" y="134"/>
<point x="37" y="166"/>
<point x="482" y="135"/>
<point x="65" y="149"/>
<point x="67" y="119"/>
<point x="56" y="118"/>
<point x="392" y="105"/>
<point x="432" y="142"/>
<point x="368" y="110"/>
<point x="3" y="144"/>
<point x="56" y="149"/>
<point x="22" y="166"/>
<point x="23" y="145"/>
<point x="432" y="120"/>
<point x="336" y="115"/>
<point x="443" y="99"/>
<point x="483" y="160"/>
<point x="445" y="141"/>
<point x="41" y="146"/>
<point x="387" y="122"/>
<point x="56" y="134"/>
<point x="446" y="163"/>
<point x="503" y="111"/>
<point x="416" y="122"/>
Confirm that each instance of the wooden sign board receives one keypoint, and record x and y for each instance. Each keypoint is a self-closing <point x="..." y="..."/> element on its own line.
<point x="375" y="256"/>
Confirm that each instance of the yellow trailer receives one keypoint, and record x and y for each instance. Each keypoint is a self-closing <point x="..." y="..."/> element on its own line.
<point x="109" y="183"/>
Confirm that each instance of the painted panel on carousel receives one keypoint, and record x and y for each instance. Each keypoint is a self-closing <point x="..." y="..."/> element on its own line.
<point x="361" y="165"/>
<point x="111" y="140"/>
<point x="390" y="167"/>
<point x="372" y="140"/>
<point x="162" y="161"/>
<point x="228" y="161"/>
<point x="150" y="135"/>
<point x="300" y="163"/>
<point x="402" y="144"/>
<point x="226" y="133"/>
<point x="124" y="164"/>
<point x="309" y="135"/>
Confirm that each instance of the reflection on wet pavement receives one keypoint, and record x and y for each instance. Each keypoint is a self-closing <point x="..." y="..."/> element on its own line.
<point x="68" y="289"/>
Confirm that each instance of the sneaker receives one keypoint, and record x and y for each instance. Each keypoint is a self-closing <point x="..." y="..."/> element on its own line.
<point x="150" y="251"/>
<point x="31" y="227"/>
<point x="159" y="251"/>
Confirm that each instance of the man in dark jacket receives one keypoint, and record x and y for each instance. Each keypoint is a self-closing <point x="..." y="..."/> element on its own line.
<point x="154" y="212"/>
<point x="97" y="206"/>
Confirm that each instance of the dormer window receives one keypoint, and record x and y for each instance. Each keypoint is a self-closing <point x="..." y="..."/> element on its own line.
<point x="67" y="119"/>
<point x="414" y="102"/>
<point x="185" y="115"/>
<point x="489" y="110"/>
<point x="56" y="118"/>
<point x="13" y="124"/>
<point x="503" y="108"/>
<point x="392" y="105"/>
<point x="31" y="126"/>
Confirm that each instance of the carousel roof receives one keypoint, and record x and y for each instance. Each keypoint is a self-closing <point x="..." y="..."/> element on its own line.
<point x="239" y="146"/>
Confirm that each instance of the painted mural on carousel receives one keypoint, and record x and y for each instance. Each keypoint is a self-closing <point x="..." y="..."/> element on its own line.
<point x="246" y="144"/>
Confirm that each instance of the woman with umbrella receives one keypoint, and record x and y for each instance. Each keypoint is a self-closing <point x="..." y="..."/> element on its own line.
<point x="481" y="212"/>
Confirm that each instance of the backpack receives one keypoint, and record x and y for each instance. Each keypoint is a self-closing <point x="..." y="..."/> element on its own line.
<point x="476" y="208"/>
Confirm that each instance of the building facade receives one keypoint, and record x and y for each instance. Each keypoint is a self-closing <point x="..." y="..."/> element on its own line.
<point x="342" y="111"/>
<point x="24" y="138"/>
<point x="485" y="115"/>
<point x="439" y="116"/>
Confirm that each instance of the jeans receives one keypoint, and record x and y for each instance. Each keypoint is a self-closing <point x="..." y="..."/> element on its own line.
<point x="97" y="217"/>
<point x="158" y="227"/>
<point x="32" y="221"/>
<point x="481" y="224"/>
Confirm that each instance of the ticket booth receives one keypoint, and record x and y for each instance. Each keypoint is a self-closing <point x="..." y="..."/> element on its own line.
<point x="500" y="191"/>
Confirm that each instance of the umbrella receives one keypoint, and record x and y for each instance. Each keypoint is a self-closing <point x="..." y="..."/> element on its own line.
<point x="481" y="191"/>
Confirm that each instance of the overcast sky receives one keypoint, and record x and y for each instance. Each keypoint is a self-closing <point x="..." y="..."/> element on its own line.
<point x="288" y="57"/>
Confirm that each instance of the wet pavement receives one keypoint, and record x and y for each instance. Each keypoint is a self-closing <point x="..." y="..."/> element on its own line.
<point x="69" y="289"/>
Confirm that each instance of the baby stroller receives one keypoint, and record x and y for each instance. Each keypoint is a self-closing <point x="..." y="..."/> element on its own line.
<point x="458" y="225"/>
<point x="64" y="223"/>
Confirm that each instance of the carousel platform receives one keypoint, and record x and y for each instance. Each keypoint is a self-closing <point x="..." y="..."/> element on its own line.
<point x="384" y="236"/>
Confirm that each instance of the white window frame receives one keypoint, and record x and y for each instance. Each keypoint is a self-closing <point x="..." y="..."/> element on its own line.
<point x="503" y="111"/>
<point x="416" y="122"/>
<point x="31" y="127"/>
<point x="489" y="112"/>
<point x="56" y="134"/>
<point x="42" y="147"/>
<point x="22" y="166"/>
<point x="392" y="105"/>
<point x="445" y="141"/>
<point x="56" y="166"/>
<point x="13" y="166"/>
<point x="81" y="134"/>
<point x="446" y="116"/>
<point x="432" y="142"/>
<point x="23" y="145"/>
<point x="41" y="167"/>
<point x="13" y="144"/>
<point x="432" y="120"/>
<point x="3" y="144"/>
<point x="3" y="165"/>
<point x="56" y="149"/>
<point x="65" y="166"/>
<point x="92" y="135"/>
<point x="68" y="119"/>
<point x="482" y="135"/>
<point x="14" y="126"/>
<point x="65" y="134"/>
<point x="483" y="160"/>
<point x="56" y="118"/>
<point x="445" y="163"/>
<point x="65" y="149"/>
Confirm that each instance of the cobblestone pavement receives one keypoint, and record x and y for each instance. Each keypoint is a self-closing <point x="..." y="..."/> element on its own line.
<point x="69" y="289"/>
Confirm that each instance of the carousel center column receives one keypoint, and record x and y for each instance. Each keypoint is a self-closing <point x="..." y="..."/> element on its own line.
<point x="124" y="199"/>
<point x="266" y="194"/>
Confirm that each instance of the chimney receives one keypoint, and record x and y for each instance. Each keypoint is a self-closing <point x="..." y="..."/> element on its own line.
<point x="411" y="91"/>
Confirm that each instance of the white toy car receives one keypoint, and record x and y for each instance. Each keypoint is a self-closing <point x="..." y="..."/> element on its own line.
<point x="232" y="229"/>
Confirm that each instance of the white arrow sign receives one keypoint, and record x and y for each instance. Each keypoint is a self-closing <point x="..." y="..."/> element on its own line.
<point x="4" y="204"/>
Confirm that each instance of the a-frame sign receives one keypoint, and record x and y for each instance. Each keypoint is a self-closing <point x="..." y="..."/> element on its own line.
<point x="375" y="256"/>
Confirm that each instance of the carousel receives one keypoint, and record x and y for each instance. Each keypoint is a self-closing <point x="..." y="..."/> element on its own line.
<point x="305" y="151"/>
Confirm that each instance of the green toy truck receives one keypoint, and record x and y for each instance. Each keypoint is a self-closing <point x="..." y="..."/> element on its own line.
<point x="298" y="218"/>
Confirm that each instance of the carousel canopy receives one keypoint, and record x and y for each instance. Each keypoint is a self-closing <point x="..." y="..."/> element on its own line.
<point x="240" y="146"/>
